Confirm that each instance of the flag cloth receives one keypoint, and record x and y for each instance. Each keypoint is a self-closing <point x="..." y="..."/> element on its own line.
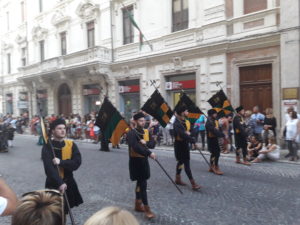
<point x="44" y="131"/>
<point x="157" y="107"/>
<point x="141" y="35"/>
<point x="221" y="104"/>
<point x="111" y="123"/>
<point x="194" y="111"/>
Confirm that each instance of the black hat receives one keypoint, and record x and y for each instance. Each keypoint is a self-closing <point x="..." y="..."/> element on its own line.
<point x="57" y="122"/>
<point x="181" y="109"/>
<point x="211" y="112"/>
<point x="138" y="116"/>
<point x="240" y="108"/>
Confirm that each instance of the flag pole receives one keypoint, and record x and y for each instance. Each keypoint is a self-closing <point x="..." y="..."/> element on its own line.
<point x="54" y="156"/>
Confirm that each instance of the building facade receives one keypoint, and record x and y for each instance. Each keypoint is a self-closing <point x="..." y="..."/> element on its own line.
<point x="65" y="56"/>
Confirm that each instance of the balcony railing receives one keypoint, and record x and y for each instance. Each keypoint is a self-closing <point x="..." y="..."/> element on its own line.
<point x="73" y="60"/>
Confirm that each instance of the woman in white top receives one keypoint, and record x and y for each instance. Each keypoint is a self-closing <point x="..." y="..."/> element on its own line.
<point x="292" y="135"/>
<point x="271" y="151"/>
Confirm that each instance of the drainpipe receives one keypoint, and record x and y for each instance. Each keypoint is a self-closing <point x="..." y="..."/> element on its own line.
<point x="111" y="30"/>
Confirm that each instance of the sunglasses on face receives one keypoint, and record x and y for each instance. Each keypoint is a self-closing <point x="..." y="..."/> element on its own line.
<point x="52" y="192"/>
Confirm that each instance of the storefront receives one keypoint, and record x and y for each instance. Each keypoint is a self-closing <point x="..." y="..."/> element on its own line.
<point x="23" y="102"/>
<point x="176" y="84"/>
<point x="91" y="97"/>
<point x="129" y="97"/>
<point x="9" y="103"/>
<point x="42" y="102"/>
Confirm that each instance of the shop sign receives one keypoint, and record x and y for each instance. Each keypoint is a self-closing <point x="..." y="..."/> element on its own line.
<point x="184" y="84"/>
<point x="91" y="91"/>
<point x="290" y="93"/>
<point x="23" y="104"/>
<point x="23" y="96"/>
<point x="129" y="89"/>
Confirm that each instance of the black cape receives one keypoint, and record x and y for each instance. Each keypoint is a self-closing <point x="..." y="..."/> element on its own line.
<point x="139" y="168"/>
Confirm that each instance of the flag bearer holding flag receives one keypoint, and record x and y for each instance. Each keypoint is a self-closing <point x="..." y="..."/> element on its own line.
<point x="181" y="146"/>
<point x="67" y="158"/>
<point x="139" y="143"/>
<point x="213" y="133"/>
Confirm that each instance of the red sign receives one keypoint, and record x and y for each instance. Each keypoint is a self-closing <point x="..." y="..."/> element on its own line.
<point x="91" y="91"/>
<point x="184" y="84"/>
<point x="129" y="89"/>
<point x="42" y="95"/>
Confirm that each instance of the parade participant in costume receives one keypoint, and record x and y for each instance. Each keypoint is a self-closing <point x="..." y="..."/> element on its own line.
<point x="240" y="135"/>
<point x="139" y="142"/>
<point x="181" y="146"/>
<point x="213" y="133"/>
<point x="67" y="159"/>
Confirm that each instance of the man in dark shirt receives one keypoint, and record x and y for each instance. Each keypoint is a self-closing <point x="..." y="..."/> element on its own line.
<point x="59" y="167"/>
<point x="139" y="142"/>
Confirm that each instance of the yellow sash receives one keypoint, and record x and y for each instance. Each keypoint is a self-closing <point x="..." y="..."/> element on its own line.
<point x="146" y="138"/>
<point x="66" y="153"/>
<point x="188" y="125"/>
<point x="146" y="135"/>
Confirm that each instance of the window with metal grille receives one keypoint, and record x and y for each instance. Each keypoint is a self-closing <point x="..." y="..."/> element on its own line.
<point x="63" y="43"/>
<point x="91" y="34"/>
<point x="128" y="29"/>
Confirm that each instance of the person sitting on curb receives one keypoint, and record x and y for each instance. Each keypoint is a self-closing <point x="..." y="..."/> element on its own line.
<point x="8" y="199"/>
<point x="112" y="216"/>
<point x="271" y="151"/>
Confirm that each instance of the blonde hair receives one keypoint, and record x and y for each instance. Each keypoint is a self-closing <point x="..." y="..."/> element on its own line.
<point x="39" y="208"/>
<point x="112" y="216"/>
<point x="269" y="111"/>
<point x="248" y="113"/>
<point x="272" y="139"/>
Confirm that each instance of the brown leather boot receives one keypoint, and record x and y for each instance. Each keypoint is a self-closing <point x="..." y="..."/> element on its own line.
<point x="211" y="169"/>
<point x="178" y="181"/>
<point x="237" y="159"/>
<point x="245" y="162"/>
<point x="195" y="186"/>
<point x="148" y="213"/>
<point x="139" y="206"/>
<point x="218" y="171"/>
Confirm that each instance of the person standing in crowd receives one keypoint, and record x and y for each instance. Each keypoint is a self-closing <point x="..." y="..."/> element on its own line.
<point x="240" y="136"/>
<point x="257" y="121"/>
<point x="59" y="168"/>
<point x="249" y="123"/>
<point x="166" y="135"/>
<point x="44" y="207"/>
<point x="199" y="127"/>
<point x="292" y="135"/>
<point x="224" y="126"/>
<point x="270" y="124"/>
<point x="8" y="199"/>
<point x="213" y="133"/>
<point x="271" y="151"/>
<point x="182" y="146"/>
<point x="139" y="142"/>
<point x="230" y="132"/>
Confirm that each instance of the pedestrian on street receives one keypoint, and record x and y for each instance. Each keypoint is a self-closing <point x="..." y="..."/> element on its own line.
<point x="8" y="199"/>
<point x="271" y="151"/>
<point x="182" y="142"/>
<point x="293" y="136"/>
<point x="213" y="133"/>
<point x="139" y="142"/>
<point x="67" y="159"/>
<point x="240" y="136"/>
<point x="257" y="121"/>
<point x="199" y="128"/>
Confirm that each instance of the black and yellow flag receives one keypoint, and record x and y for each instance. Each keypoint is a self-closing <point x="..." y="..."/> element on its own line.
<point x="221" y="104"/>
<point x="111" y="123"/>
<point x="157" y="107"/>
<point x="194" y="111"/>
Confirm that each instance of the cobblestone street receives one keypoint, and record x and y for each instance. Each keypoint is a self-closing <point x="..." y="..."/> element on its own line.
<point x="266" y="193"/>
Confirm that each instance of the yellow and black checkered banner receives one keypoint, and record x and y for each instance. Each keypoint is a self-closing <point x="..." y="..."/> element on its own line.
<point x="221" y="104"/>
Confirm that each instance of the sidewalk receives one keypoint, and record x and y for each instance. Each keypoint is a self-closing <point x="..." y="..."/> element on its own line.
<point x="283" y="152"/>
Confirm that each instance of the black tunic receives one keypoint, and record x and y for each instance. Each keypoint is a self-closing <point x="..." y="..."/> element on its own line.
<point x="182" y="140"/>
<point x="213" y="133"/>
<point x="53" y="180"/>
<point x="240" y="133"/>
<point x="139" y="168"/>
<point x="272" y="122"/>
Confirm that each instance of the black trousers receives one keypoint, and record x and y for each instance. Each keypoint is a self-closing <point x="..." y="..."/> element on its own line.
<point x="293" y="148"/>
<point x="214" y="148"/>
<point x="141" y="191"/>
<point x="202" y="133"/>
<point x="187" y="168"/>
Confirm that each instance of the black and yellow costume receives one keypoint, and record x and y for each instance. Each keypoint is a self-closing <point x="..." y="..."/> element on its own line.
<point x="70" y="160"/>
<point x="213" y="132"/>
<point x="240" y="135"/>
<point x="138" y="161"/>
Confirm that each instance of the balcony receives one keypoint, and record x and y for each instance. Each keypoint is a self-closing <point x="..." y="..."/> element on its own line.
<point x="95" y="55"/>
